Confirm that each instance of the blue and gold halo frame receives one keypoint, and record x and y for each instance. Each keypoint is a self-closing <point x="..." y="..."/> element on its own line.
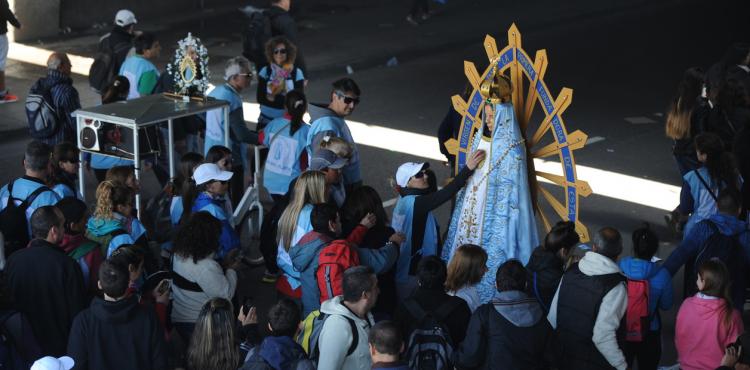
<point x="520" y="66"/>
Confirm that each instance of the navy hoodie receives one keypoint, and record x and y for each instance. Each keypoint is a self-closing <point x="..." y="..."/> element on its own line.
<point x="117" y="335"/>
<point x="278" y="353"/>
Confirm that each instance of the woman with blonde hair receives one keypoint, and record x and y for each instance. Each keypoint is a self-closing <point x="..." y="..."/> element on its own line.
<point x="108" y="226"/>
<point x="309" y="189"/>
<point x="465" y="270"/>
<point x="213" y="345"/>
<point x="277" y="79"/>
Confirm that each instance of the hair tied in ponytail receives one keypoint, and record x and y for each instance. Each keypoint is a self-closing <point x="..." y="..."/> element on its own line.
<point x="116" y="83"/>
<point x="299" y="103"/>
<point x="326" y="139"/>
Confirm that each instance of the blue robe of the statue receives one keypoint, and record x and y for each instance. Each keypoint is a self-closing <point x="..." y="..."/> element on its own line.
<point x="509" y="228"/>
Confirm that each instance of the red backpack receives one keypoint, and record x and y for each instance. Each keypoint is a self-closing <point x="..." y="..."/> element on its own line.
<point x="333" y="260"/>
<point x="637" y="319"/>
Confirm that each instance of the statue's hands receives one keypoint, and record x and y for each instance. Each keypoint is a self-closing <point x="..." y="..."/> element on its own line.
<point x="475" y="159"/>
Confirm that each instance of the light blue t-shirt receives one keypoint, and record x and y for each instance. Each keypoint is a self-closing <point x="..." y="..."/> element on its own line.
<point x="22" y="188"/>
<point x="284" y="150"/>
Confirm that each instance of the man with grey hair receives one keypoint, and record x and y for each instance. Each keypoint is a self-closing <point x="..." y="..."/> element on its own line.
<point x="237" y="76"/>
<point x="25" y="194"/>
<point x="589" y="305"/>
<point x="58" y="91"/>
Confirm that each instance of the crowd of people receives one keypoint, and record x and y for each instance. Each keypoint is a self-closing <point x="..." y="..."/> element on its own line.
<point x="96" y="287"/>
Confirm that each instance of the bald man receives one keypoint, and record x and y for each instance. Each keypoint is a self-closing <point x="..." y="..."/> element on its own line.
<point x="64" y="97"/>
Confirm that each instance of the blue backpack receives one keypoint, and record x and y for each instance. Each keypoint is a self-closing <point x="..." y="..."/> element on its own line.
<point x="41" y="114"/>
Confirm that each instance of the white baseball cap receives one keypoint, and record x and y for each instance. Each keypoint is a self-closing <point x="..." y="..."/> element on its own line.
<point x="52" y="363"/>
<point x="124" y="18"/>
<point x="210" y="172"/>
<point x="407" y="170"/>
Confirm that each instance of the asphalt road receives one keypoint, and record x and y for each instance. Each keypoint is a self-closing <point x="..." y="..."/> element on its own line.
<point x="624" y="66"/>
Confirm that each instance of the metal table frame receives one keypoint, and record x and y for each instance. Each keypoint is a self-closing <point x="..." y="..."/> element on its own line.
<point x="135" y="123"/>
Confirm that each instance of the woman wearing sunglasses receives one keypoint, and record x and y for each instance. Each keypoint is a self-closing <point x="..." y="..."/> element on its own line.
<point x="413" y="216"/>
<point x="211" y="185"/>
<point x="277" y="78"/>
<point x="65" y="166"/>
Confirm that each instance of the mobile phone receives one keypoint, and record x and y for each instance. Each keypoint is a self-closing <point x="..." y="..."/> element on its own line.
<point x="163" y="286"/>
<point x="246" y="305"/>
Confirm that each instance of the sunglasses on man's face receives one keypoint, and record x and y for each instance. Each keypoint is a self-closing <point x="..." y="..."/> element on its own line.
<point x="280" y="51"/>
<point x="347" y="99"/>
<point x="420" y="175"/>
<point x="72" y="161"/>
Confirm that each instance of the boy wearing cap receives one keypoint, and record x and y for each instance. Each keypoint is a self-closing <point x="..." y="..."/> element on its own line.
<point x="413" y="216"/>
<point x="86" y="252"/>
<point x="238" y="75"/>
<point x="212" y="185"/>
<point x="119" y="41"/>
<point x="139" y="69"/>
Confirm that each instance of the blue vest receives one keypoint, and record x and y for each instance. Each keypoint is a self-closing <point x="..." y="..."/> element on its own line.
<point x="282" y="165"/>
<point x="133" y="68"/>
<point x="229" y="239"/>
<point x="337" y="125"/>
<point x="283" y="260"/>
<point x="704" y="205"/>
<point x="215" y="124"/>
<point x="403" y="216"/>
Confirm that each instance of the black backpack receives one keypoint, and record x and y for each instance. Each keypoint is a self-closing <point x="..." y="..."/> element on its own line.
<point x="104" y="68"/>
<point x="255" y="33"/>
<point x="41" y="114"/>
<point x="726" y="248"/>
<point x="13" y="223"/>
<point x="430" y="346"/>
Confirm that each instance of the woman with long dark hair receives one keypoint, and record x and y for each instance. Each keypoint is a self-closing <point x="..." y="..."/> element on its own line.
<point x="700" y="187"/>
<point x="65" y="166"/>
<point x="547" y="262"/>
<point x="285" y="138"/>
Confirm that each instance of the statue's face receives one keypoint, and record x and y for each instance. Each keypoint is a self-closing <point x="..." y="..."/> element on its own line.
<point x="489" y="117"/>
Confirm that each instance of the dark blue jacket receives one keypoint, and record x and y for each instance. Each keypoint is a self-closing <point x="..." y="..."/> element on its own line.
<point x="278" y="353"/>
<point x="693" y="242"/>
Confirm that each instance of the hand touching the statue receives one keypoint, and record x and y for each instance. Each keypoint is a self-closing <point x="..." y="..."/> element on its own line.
<point x="475" y="159"/>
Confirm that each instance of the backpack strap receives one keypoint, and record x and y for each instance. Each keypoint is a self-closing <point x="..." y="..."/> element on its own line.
<point x="705" y="184"/>
<point x="355" y="336"/>
<point x="32" y="197"/>
<point x="185" y="284"/>
<point x="83" y="249"/>
<point x="414" y="309"/>
<point x="537" y="295"/>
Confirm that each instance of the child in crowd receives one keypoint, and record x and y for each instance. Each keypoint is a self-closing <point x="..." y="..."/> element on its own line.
<point x="87" y="253"/>
<point x="108" y="226"/>
<point x="278" y="350"/>
<point x="707" y="321"/>
<point x="343" y="149"/>
<point x="386" y="344"/>
<point x="211" y="185"/>
<point x="125" y="175"/>
<point x="222" y="157"/>
<point x="465" y="270"/>
<point x="213" y="344"/>
<point x="65" y="165"/>
<point x="640" y="267"/>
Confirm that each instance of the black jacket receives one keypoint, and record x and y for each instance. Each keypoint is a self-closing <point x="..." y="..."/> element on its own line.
<point x="48" y="287"/>
<point x="431" y="300"/>
<point x="117" y="335"/>
<point x="282" y="24"/>
<point x="7" y="16"/>
<point x="119" y="42"/>
<point x="545" y="270"/>
<point x="511" y="332"/>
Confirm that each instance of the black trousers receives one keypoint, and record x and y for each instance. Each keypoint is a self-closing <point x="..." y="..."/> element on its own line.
<point x="237" y="185"/>
<point x="647" y="352"/>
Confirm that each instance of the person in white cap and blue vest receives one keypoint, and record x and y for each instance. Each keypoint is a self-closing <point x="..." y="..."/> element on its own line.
<point x="413" y="216"/>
